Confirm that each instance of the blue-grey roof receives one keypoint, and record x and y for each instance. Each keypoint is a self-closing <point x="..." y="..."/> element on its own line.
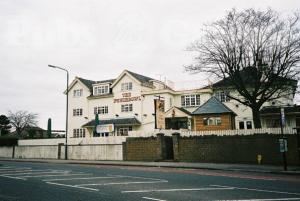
<point x="115" y="121"/>
<point x="89" y="83"/>
<point x="139" y="77"/>
<point x="213" y="106"/>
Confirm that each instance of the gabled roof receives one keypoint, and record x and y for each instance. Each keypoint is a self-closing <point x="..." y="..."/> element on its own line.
<point x="115" y="121"/>
<point x="144" y="80"/>
<point x="184" y="110"/>
<point x="172" y="112"/>
<point x="139" y="77"/>
<point x="87" y="83"/>
<point x="247" y="75"/>
<point x="181" y="109"/>
<point x="213" y="106"/>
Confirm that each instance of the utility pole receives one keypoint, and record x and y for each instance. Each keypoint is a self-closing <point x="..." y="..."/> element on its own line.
<point x="283" y="140"/>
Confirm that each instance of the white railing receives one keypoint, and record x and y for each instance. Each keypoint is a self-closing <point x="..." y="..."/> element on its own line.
<point x="286" y="130"/>
<point x="142" y="134"/>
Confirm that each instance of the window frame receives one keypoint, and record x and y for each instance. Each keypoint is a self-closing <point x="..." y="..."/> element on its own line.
<point x="77" y="93"/>
<point x="127" y="107"/>
<point x="191" y="100"/>
<point x="212" y="121"/>
<point x="245" y="124"/>
<point x="77" y="112"/>
<point x="222" y="96"/>
<point x="126" y="86"/>
<point x="124" y="131"/>
<point x="101" y="89"/>
<point x="79" y="133"/>
<point x="101" y="110"/>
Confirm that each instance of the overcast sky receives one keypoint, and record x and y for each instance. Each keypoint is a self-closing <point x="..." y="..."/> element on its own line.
<point x="97" y="39"/>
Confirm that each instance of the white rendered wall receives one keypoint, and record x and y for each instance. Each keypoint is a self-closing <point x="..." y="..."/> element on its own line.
<point x="75" y="122"/>
<point x="42" y="151"/>
<point x="6" y="152"/>
<point x="74" y="141"/>
<point x="96" y="152"/>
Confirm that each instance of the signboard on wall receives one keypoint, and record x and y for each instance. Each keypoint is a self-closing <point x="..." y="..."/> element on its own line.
<point x="282" y="116"/>
<point x="283" y="145"/>
<point x="126" y="97"/>
<point x="105" y="128"/>
<point x="159" y="105"/>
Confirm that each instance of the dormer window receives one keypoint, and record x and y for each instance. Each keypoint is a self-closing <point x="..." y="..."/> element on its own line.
<point x="100" y="90"/>
<point x="126" y="86"/>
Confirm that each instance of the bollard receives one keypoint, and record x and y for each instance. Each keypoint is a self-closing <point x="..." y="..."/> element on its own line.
<point x="259" y="159"/>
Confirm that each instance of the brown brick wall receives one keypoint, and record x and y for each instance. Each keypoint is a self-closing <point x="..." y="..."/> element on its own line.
<point x="235" y="149"/>
<point x="141" y="149"/>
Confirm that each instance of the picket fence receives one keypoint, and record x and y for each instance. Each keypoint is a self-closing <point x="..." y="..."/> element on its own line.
<point x="286" y="130"/>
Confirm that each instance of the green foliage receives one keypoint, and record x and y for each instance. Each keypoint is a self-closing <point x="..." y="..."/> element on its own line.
<point x="8" y="141"/>
<point x="31" y="133"/>
<point x="49" y="130"/>
<point x="4" y="125"/>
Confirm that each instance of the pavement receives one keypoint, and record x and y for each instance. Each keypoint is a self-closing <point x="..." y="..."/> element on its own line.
<point x="291" y="170"/>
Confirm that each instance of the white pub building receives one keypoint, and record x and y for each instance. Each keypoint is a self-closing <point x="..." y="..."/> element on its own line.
<point x="127" y="104"/>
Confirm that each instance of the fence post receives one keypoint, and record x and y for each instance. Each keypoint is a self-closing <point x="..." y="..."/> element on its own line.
<point x="298" y="143"/>
<point x="124" y="151"/>
<point x="59" y="150"/>
<point x="175" y="139"/>
<point x="161" y="149"/>
<point x="13" y="152"/>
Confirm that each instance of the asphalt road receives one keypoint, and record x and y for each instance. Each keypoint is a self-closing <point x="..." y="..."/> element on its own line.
<point x="20" y="181"/>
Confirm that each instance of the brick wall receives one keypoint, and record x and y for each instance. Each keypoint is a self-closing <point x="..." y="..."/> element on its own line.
<point x="234" y="149"/>
<point x="141" y="149"/>
<point x="148" y="149"/>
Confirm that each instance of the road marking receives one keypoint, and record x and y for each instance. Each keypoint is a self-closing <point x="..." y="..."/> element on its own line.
<point x="147" y="198"/>
<point x="35" y="172"/>
<point x="14" y="170"/>
<point x="54" y="175"/>
<point x="19" y="172"/>
<point x="6" y="167"/>
<point x="178" y="189"/>
<point x="260" y="190"/>
<point x="264" y="199"/>
<point x="71" y="186"/>
<point x="241" y="169"/>
<point x="122" y="183"/>
<point x="80" y="178"/>
<point x="13" y="177"/>
<point x="149" y="178"/>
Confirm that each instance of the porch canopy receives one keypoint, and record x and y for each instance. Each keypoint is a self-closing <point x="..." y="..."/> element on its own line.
<point x="273" y="110"/>
<point x="178" y="118"/>
<point x="271" y="115"/>
<point x="131" y="121"/>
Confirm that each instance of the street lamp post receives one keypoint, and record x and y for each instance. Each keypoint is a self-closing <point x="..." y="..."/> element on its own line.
<point x="66" y="144"/>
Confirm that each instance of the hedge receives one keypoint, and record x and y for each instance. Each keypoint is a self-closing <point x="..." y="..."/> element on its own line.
<point x="8" y="141"/>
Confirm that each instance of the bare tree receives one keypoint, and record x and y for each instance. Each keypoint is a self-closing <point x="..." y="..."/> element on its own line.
<point x="256" y="52"/>
<point x="21" y="120"/>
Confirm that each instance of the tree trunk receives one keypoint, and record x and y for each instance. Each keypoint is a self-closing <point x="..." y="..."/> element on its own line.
<point x="256" y="117"/>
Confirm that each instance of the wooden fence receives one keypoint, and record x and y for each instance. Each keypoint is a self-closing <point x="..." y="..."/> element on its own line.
<point x="286" y="130"/>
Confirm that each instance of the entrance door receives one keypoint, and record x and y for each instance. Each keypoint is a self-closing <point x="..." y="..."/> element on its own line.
<point x="177" y="123"/>
<point x="297" y="121"/>
<point x="169" y="148"/>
